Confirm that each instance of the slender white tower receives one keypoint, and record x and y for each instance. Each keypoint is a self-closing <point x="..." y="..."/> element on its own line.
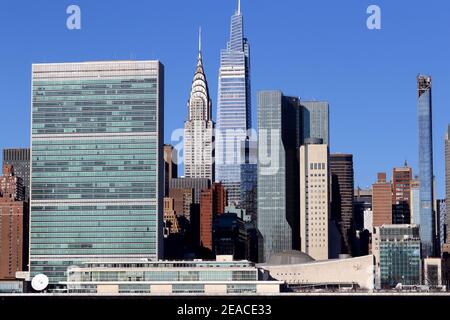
<point x="199" y="127"/>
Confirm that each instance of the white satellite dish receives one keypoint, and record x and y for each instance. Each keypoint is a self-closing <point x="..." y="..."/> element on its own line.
<point x="39" y="282"/>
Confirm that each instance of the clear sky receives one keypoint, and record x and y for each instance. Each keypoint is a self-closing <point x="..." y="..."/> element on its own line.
<point x="318" y="49"/>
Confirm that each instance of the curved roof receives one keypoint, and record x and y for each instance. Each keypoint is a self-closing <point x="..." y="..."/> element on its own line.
<point x="289" y="257"/>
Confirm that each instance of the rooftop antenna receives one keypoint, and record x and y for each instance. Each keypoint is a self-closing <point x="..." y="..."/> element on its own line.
<point x="239" y="7"/>
<point x="200" y="39"/>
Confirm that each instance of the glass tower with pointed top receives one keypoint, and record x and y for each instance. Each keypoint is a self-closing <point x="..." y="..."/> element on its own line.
<point x="427" y="228"/>
<point x="199" y="127"/>
<point x="233" y="108"/>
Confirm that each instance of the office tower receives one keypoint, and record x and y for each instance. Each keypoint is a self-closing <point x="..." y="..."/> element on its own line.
<point x="401" y="195"/>
<point x="233" y="108"/>
<point x="170" y="166"/>
<point x="97" y="178"/>
<point x="427" y="229"/>
<point x="447" y="178"/>
<point x="316" y="120"/>
<point x="229" y="236"/>
<point x="183" y="198"/>
<point x="342" y="182"/>
<point x="249" y="173"/>
<point x="197" y="184"/>
<point x="382" y="201"/>
<point x="279" y="137"/>
<point x="13" y="225"/>
<point x="362" y="203"/>
<point x="171" y="225"/>
<point x="432" y="272"/>
<point x="199" y="127"/>
<point x="212" y="203"/>
<point x="20" y="160"/>
<point x="415" y="201"/>
<point x="397" y="255"/>
<point x="441" y="218"/>
<point x="314" y="198"/>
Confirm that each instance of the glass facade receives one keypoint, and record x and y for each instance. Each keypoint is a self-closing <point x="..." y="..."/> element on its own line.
<point x="400" y="256"/>
<point x="97" y="171"/>
<point x="182" y="277"/>
<point x="233" y="109"/>
<point x="316" y="120"/>
<point x="279" y="125"/>
<point x="427" y="227"/>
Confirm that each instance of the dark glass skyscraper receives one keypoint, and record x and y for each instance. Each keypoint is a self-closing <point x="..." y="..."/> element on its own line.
<point x="233" y="108"/>
<point x="427" y="226"/>
<point x="97" y="177"/>
<point x="279" y="137"/>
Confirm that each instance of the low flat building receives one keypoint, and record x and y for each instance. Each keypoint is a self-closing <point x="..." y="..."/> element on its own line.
<point x="221" y="277"/>
<point x="300" y="271"/>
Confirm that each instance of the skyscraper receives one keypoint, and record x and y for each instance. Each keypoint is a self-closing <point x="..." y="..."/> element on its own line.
<point x="447" y="178"/>
<point x="20" y="160"/>
<point x="97" y="177"/>
<point x="401" y="195"/>
<point x="382" y="201"/>
<point x="198" y="129"/>
<point x="314" y="198"/>
<point x="342" y="181"/>
<point x="316" y="120"/>
<point x="279" y="137"/>
<point x="427" y="227"/>
<point x="233" y="108"/>
<point x="415" y="201"/>
<point x="13" y="225"/>
<point x="212" y="203"/>
<point x="170" y="166"/>
<point x="249" y="174"/>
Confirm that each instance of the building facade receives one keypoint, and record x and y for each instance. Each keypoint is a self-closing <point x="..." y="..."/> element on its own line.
<point x="316" y="120"/>
<point x="199" y="128"/>
<point x="382" y="201"/>
<point x="427" y="227"/>
<point x="20" y="160"/>
<point x="447" y="178"/>
<point x="415" y="201"/>
<point x="398" y="256"/>
<point x="13" y="225"/>
<point x="401" y="195"/>
<point x="314" y="199"/>
<point x="170" y="166"/>
<point x="220" y="277"/>
<point x="97" y="178"/>
<point x="249" y="180"/>
<point x="233" y="108"/>
<point x="279" y="137"/>
<point x="212" y="204"/>
<point x="342" y="181"/>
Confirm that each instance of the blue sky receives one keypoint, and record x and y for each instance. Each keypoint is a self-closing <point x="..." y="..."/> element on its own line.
<point x="318" y="49"/>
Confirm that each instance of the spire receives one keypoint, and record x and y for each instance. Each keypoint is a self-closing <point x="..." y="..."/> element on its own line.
<point x="239" y="8"/>
<point x="200" y="39"/>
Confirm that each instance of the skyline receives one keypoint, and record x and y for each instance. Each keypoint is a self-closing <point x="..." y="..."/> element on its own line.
<point x="306" y="75"/>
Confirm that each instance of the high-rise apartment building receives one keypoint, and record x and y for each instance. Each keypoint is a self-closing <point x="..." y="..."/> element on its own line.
<point x="342" y="181"/>
<point x="170" y="166"/>
<point x="97" y="178"/>
<point x="441" y="217"/>
<point x="314" y="198"/>
<point x="427" y="227"/>
<point x="382" y="201"/>
<point x="401" y="195"/>
<point x="447" y="178"/>
<point x="20" y="160"/>
<point x="13" y="225"/>
<point x="279" y="137"/>
<point x="199" y="128"/>
<point x="233" y="108"/>
<point x="316" y="120"/>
